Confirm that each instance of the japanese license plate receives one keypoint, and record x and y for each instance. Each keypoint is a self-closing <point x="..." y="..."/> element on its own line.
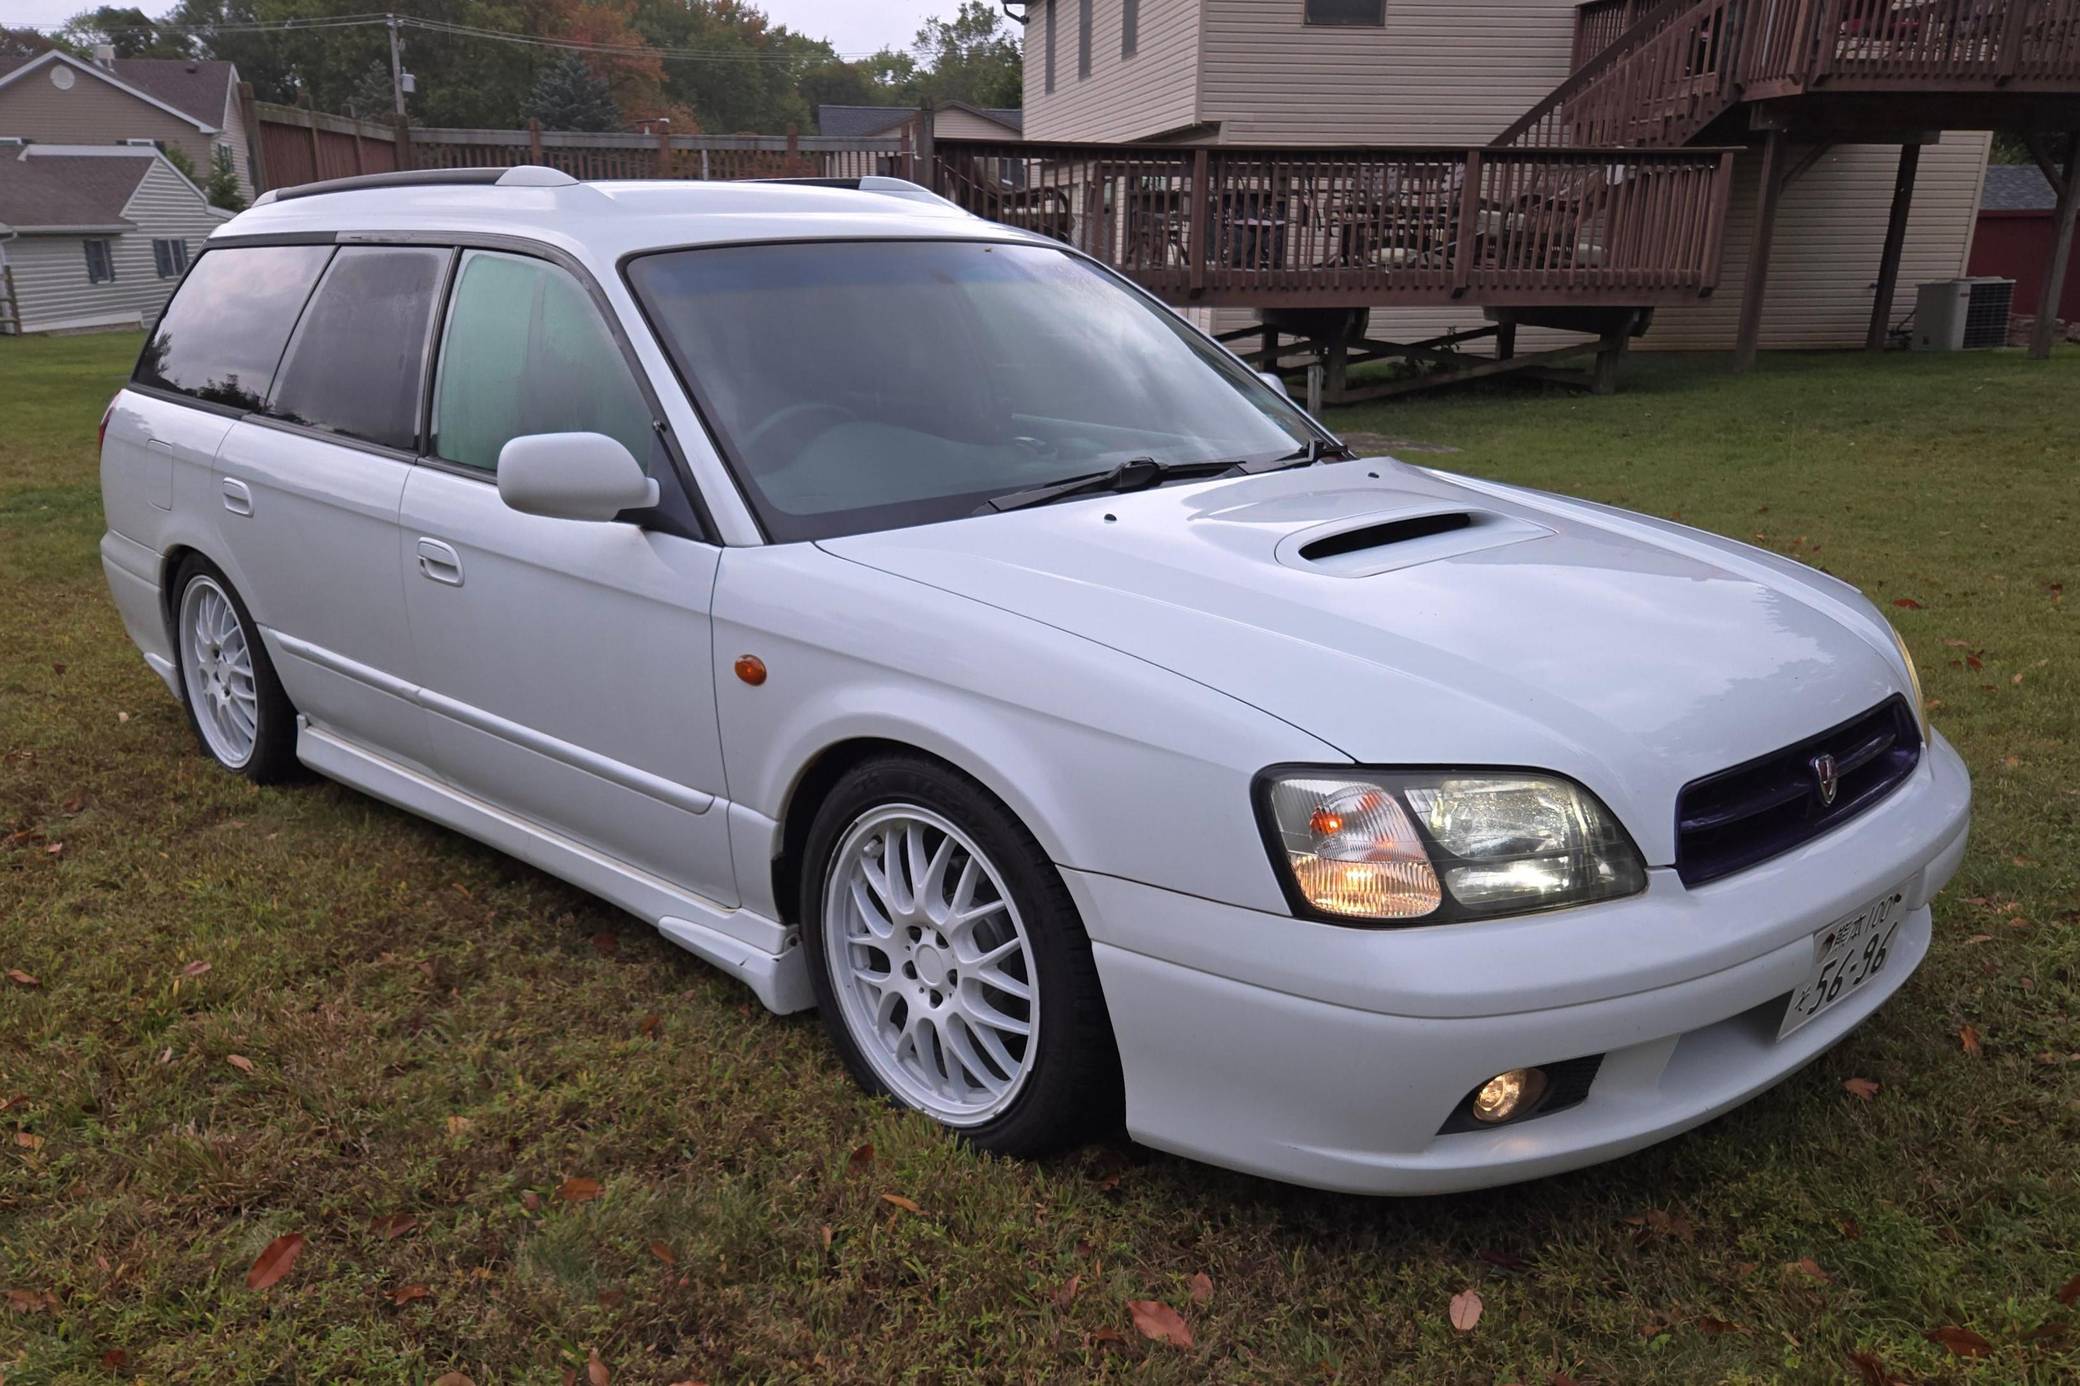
<point x="1846" y="954"/>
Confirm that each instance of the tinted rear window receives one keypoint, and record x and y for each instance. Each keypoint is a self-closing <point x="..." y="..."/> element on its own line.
<point x="360" y="350"/>
<point x="222" y="336"/>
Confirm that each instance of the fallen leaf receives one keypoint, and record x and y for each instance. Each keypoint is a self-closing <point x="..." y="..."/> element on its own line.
<point x="452" y="1379"/>
<point x="1466" y="1310"/>
<point x="1968" y="1036"/>
<point x="862" y="1157"/>
<point x="239" y="1062"/>
<point x="274" y="1263"/>
<point x="1861" y="1087"/>
<point x="1906" y="603"/>
<point x="1980" y="938"/>
<point x="578" y="1190"/>
<point x="606" y="943"/>
<point x="459" y="1124"/>
<point x="21" y="978"/>
<point x="1202" y="1288"/>
<point x="28" y="1140"/>
<point x="2017" y="681"/>
<point x="649" y="1025"/>
<point x="1159" y="1323"/>
<point x="1503" y="1260"/>
<point x="166" y="1055"/>
<point x="1066" y="1294"/>
<point x="2053" y="1331"/>
<point x="1807" y="1266"/>
<point x="405" y="1294"/>
<point x="596" y="1370"/>
<point x="1851" y="1228"/>
<point x="907" y="1205"/>
<point x="2069" y="1292"/>
<point x="31" y="1301"/>
<point x="115" y="1359"/>
<point x="8" y="1104"/>
<point x="122" y="716"/>
<point x="1960" y="1341"/>
<point x="1870" y="1369"/>
<point x="195" y="969"/>
<point x="57" y="849"/>
<point x="531" y="1201"/>
<point x="663" y="1253"/>
<point x="609" y="1299"/>
<point x="1707" y="1324"/>
<point x="823" y="1232"/>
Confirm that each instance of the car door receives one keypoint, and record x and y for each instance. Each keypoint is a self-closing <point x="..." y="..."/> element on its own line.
<point x="310" y="486"/>
<point x="566" y="665"/>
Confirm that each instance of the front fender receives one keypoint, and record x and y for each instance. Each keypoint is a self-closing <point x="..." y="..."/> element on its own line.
<point x="1116" y="765"/>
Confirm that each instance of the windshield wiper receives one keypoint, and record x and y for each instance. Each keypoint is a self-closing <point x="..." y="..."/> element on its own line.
<point x="1316" y="450"/>
<point x="1134" y="474"/>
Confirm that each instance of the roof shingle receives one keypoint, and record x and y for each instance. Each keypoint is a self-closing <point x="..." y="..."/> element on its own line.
<point x="52" y="190"/>
<point x="200" y="89"/>
<point x="2017" y="188"/>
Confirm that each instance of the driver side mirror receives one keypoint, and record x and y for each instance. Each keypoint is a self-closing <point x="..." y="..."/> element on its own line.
<point x="572" y="476"/>
<point x="1275" y="381"/>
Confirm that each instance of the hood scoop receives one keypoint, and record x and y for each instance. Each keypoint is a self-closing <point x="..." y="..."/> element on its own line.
<point x="1364" y="545"/>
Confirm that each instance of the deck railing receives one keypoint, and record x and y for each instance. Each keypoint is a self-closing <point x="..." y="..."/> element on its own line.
<point x="1350" y="227"/>
<point x="1662" y="78"/>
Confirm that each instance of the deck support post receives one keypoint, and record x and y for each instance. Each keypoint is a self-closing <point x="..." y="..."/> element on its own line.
<point x="1506" y="340"/>
<point x="2068" y="186"/>
<point x="1760" y="240"/>
<point x="1270" y="350"/>
<point x="1895" y="243"/>
<point x="1610" y="353"/>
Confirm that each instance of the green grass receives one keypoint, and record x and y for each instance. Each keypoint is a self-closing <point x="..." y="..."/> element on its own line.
<point x="438" y="1032"/>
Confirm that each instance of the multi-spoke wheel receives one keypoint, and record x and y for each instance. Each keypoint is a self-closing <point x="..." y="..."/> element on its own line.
<point x="235" y="703"/>
<point x="949" y="960"/>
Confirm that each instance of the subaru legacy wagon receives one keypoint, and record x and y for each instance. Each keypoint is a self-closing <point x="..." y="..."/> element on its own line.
<point x="920" y="623"/>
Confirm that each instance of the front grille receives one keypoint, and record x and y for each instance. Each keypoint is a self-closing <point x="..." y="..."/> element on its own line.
<point x="1731" y="820"/>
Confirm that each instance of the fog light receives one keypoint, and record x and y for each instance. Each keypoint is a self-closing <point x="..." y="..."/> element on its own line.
<point x="1510" y="1094"/>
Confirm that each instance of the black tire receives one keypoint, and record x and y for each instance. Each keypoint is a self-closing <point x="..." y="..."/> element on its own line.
<point x="273" y="756"/>
<point x="1072" y="1091"/>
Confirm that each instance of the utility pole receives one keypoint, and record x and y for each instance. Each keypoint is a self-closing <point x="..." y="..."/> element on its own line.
<point x="396" y="67"/>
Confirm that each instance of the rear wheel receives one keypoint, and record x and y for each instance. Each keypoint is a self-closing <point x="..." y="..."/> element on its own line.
<point x="235" y="703"/>
<point x="951" y="967"/>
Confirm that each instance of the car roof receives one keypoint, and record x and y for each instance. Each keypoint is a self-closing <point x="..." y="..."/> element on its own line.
<point x="601" y="222"/>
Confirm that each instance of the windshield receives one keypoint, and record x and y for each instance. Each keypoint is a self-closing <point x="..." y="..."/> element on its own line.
<point x="861" y="385"/>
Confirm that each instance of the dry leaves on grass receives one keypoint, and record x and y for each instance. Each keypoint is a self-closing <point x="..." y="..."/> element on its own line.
<point x="196" y="968"/>
<point x="578" y="1190"/>
<point x="239" y="1062"/>
<point x="1968" y="1036"/>
<point x="21" y="978"/>
<point x="1864" y="1088"/>
<point x="663" y="1253"/>
<point x="1960" y="1341"/>
<point x="391" y="1226"/>
<point x="862" y="1156"/>
<point x="1202" y="1288"/>
<point x="1810" y="1268"/>
<point x="274" y="1263"/>
<point x="32" y="1301"/>
<point x="405" y="1294"/>
<point x="1158" y="1322"/>
<point x="2069" y="1292"/>
<point x="1906" y="603"/>
<point x="1466" y="1310"/>
<point x="28" y="1140"/>
<point x="1066" y="1294"/>
<point x="453" y="1379"/>
<point x="908" y="1205"/>
<point x="596" y="1373"/>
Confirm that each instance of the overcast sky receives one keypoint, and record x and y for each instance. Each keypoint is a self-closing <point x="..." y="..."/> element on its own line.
<point x="853" y="26"/>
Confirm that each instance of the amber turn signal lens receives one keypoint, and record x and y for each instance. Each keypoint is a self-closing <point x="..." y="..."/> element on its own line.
<point x="751" y="669"/>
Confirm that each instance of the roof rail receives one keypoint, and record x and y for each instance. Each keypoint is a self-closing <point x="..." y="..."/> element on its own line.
<point x="520" y="176"/>
<point x="874" y="183"/>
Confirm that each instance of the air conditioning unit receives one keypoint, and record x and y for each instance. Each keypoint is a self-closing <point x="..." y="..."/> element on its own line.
<point x="1963" y="314"/>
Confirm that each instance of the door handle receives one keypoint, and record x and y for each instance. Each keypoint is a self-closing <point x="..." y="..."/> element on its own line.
<point x="439" y="562"/>
<point x="237" y="499"/>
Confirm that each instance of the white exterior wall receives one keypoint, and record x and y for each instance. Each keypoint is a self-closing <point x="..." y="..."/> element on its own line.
<point x="1153" y="93"/>
<point x="50" y="272"/>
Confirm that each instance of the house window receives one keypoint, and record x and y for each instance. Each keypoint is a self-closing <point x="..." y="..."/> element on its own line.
<point x="1083" y="38"/>
<point x="101" y="261"/>
<point x="1048" y="38"/>
<point x="1367" y="13"/>
<point x="1129" y="27"/>
<point x="170" y="258"/>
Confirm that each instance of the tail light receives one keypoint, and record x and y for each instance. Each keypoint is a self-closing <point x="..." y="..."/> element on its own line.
<point x="101" y="433"/>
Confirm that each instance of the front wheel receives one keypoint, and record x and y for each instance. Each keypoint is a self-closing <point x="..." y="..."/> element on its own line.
<point x="949" y="962"/>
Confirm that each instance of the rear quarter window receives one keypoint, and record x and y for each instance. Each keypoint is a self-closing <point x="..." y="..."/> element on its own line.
<point x="221" y="337"/>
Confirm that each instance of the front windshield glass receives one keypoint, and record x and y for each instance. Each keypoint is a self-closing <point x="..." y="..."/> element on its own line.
<point x="862" y="385"/>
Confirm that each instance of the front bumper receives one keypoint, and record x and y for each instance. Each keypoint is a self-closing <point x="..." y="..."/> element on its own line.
<point x="1331" y="1056"/>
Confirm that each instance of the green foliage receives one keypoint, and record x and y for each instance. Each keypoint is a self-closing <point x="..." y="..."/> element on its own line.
<point x="570" y="96"/>
<point x="178" y="157"/>
<point x="974" y="57"/>
<point x="127" y="29"/>
<point x="438" y="1043"/>
<point x="222" y="190"/>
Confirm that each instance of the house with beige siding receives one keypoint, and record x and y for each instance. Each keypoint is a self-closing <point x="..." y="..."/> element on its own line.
<point x="1298" y="73"/>
<point x="189" y="105"/>
<point x="94" y="236"/>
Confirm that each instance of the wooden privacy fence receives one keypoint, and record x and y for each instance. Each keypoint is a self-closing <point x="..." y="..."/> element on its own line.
<point x="301" y="146"/>
<point x="1341" y="227"/>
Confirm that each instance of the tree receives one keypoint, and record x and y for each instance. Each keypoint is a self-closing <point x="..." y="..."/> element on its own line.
<point x="127" y="29"/>
<point x="974" y="57"/>
<point x="570" y="96"/>
<point x="22" y="43"/>
<point x="222" y="190"/>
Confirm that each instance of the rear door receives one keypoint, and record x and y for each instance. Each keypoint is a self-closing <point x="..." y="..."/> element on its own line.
<point x="567" y="664"/>
<point x="310" y="485"/>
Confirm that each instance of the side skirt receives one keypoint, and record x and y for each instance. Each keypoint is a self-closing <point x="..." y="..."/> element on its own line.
<point x="764" y="954"/>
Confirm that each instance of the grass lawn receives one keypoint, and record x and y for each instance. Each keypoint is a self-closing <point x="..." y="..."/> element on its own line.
<point x="517" y="1130"/>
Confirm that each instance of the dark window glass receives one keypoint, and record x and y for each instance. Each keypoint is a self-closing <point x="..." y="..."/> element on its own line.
<point x="1370" y="12"/>
<point x="169" y="258"/>
<point x="359" y="353"/>
<point x="1129" y="27"/>
<point x="101" y="262"/>
<point x="1083" y="38"/>
<point x="1049" y="40"/>
<point x="221" y="337"/>
<point x="525" y="352"/>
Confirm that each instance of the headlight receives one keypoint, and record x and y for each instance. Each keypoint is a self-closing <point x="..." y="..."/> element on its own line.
<point x="1440" y="845"/>
<point x="1906" y="657"/>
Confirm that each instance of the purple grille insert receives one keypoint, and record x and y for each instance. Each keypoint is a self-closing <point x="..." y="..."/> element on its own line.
<point x="1731" y="820"/>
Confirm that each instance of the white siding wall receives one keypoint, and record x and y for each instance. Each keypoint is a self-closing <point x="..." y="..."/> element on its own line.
<point x="234" y="138"/>
<point x="50" y="272"/>
<point x="965" y="125"/>
<point x="1155" y="92"/>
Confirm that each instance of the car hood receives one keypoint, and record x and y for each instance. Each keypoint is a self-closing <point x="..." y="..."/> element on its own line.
<point x="1409" y="617"/>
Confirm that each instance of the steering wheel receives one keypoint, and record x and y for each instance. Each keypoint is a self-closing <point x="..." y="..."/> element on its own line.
<point x="793" y="418"/>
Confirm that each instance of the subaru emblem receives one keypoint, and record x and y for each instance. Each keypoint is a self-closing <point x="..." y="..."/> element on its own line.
<point x="1825" y="776"/>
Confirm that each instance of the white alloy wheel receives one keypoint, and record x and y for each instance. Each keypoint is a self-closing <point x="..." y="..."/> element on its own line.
<point x="217" y="670"/>
<point x="931" y="964"/>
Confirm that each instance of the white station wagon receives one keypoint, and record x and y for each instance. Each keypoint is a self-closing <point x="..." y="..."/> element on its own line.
<point x="919" y="622"/>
